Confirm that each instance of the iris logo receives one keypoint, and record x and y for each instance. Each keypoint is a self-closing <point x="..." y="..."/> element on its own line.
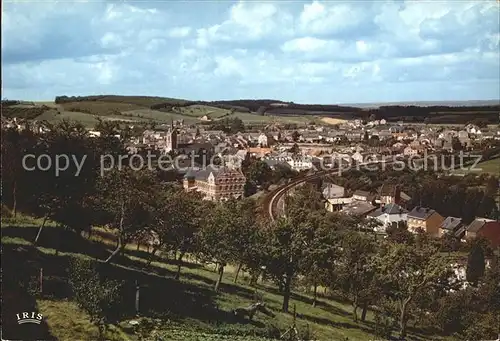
<point x="32" y="317"/>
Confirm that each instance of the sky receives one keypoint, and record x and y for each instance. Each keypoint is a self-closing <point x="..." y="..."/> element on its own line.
<point x="306" y="52"/>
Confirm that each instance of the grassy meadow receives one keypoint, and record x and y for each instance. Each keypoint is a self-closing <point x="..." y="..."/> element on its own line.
<point x="185" y="310"/>
<point x="137" y="109"/>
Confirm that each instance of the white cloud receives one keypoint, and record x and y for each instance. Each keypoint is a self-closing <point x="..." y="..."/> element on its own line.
<point x="179" y="32"/>
<point x="247" y="22"/>
<point x="317" y="49"/>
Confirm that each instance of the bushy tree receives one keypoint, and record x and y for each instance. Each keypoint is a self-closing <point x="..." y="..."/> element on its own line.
<point x="408" y="270"/>
<point x="476" y="262"/>
<point x="99" y="298"/>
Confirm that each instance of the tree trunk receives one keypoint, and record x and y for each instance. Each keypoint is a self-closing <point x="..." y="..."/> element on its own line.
<point x="355" y="310"/>
<point x="280" y="286"/>
<point x="138" y="246"/>
<point x="237" y="273"/>
<point x="150" y="258"/>
<point x="403" y="318"/>
<point x="101" y="329"/>
<point x="119" y="241"/>
<point x="219" y="280"/>
<point x="363" y="313"/>
<point x="286" y="292"/>
<point x="315" y="294"/>
<point x="14" y="199"/>
<point x="253" y="279"/>
<point x="40" y="230"/>
<point x="179" y="265"/>
<point x="118" y="249"/>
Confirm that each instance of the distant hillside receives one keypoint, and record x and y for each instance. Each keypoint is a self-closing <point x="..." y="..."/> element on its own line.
<point x="162" y="109"/>
<point x="427" y="103"/>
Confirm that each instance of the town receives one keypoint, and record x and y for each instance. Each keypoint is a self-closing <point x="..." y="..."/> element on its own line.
<point x="269" y="175"/>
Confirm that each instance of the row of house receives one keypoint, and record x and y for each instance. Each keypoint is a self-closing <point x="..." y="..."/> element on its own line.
<point x="387" y="207"/>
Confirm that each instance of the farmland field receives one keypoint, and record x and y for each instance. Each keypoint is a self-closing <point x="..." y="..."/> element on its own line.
<point x="490" y="167"/>
<point x="330" y="120"/>
<point x="99" y="108"/>
<point x="202" y="110"/>
<point x="137" y="109"/>
<point x="254" y="118"/>
<point x="88" y="120"/>
<point x="159" y="116"/>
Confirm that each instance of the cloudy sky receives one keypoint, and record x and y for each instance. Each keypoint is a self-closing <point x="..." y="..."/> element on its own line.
<point x="322" y="52"/>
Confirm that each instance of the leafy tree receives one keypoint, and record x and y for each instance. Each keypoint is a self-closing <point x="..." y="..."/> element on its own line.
<point x="399" y="233"/>
<point x="57" y="194"/>
<point x="285" y="245"/>
<point x="15" y="145"/>
<point x="475" y="263"/>
<point x="218" y="239"/>
<point x="318" y="264"/>
<point x="295" y="136"/>
<point x="181" y="218"/>
<point x="99" y="298"/>
<point x="356" y="271"/>
<point x="259" y="174"/>
<point x="407" y="271"/>
<point x="125" y="197"/>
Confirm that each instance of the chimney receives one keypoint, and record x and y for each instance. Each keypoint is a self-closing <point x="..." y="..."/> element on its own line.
<point x="397" y="195"/>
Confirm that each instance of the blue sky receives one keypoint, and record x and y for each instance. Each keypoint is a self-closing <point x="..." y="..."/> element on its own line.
<point x="321" y="52"/>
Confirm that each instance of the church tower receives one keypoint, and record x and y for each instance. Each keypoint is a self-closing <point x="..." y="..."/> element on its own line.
<point x="171" y="138"/>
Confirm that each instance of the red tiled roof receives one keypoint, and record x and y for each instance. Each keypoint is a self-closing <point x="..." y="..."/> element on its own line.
<point x="491" y="232"/>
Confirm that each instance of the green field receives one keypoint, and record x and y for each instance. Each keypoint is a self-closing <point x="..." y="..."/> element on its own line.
<point x="187" y="310"/>
<point x="136" y="109"/>
<point x="253" y="118"/>
<point x="202" y="110"/>
<point x="490" y="166"/>
<point x="487" y="167"/>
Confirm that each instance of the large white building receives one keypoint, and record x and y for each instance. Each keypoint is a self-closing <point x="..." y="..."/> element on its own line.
<point x="388" y="215"/>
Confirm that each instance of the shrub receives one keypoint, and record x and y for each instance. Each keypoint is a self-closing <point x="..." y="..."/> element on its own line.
<point x="383" y="325"/>
<point x="100" y="299"/>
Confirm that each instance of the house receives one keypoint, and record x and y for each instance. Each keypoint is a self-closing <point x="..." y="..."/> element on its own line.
<point x="299" y="163"/>
<point x="424" y="219"/>
<point x="216" y="183"/>
<point x="472" y="230"/>
<point x="362" y="196"/>
<point x="384" y="135"/>
<point x="262" y="140"/>
<point x="336" y="204"/>
<point x="450" y="226"/>
<point x="358" y="208"/>
<point x="388" y="215"/>
<point x="388" y="194"/>
<point x="333" y="191"/>
<point x="259" y="152"/>
<point x="473" y="129"/>
<point x="409" y="151"/>
<point x="354" y="135"/>
<point x="357" y="157"/>
<point x="491" y="232"/>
